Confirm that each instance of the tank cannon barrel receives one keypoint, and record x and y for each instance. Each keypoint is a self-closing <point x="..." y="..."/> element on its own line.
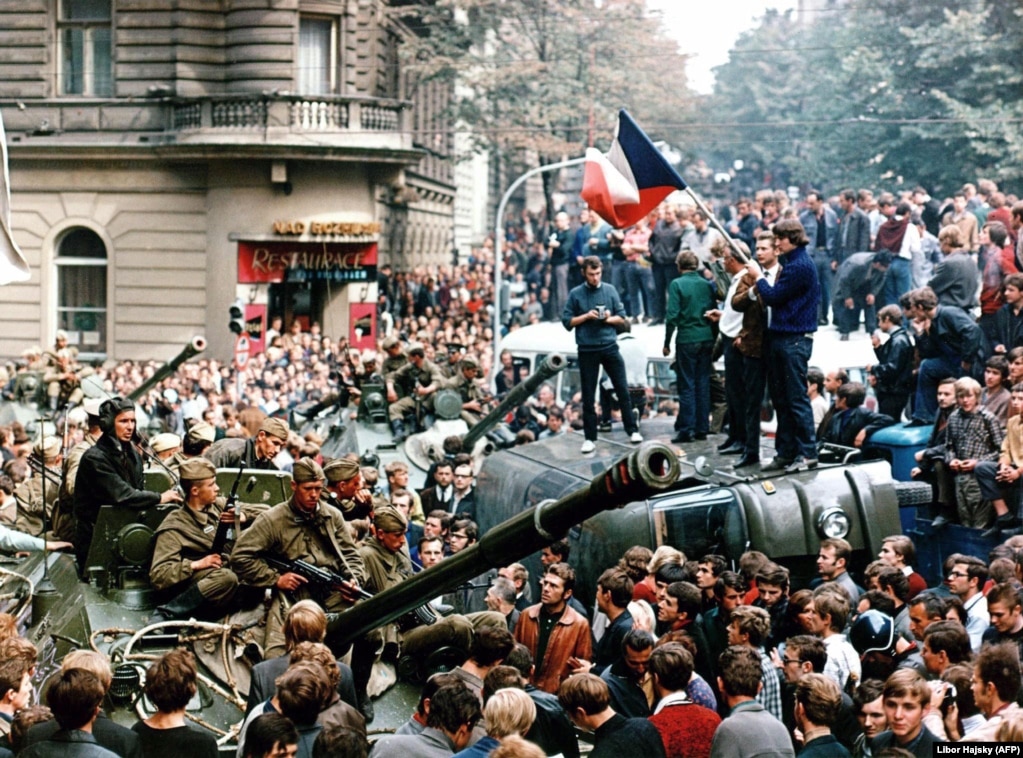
<point x="193" y="348"/>
<point x="550" y="366"/>
<point x="649" y="469"/>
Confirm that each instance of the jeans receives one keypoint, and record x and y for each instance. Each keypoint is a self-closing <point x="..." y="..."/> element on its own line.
<point x="641" y="284"/>
<point x="664" y="275"/>
<point x="991" y="489"/>
<point x="753" y="383"/>
<point x="848" y="319"/>
<point x="787" y="358"/>
<point x="824" y="274"/>
<point x="898" y="282"/>
<point x="619" y="279"/>
<point x="559" y="289"/>
<point x="932" y="371"/>
<point x="590" y="362"/>
<point x="735" y="391"/>
<point x="693" y="367"/>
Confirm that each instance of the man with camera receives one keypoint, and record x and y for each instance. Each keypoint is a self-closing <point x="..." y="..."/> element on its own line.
<point x="595" y="312"/>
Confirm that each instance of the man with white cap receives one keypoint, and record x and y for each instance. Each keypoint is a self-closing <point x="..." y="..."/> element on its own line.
<point x="165" y="445"/>
<point x="183" y="558"/>
<point x="33" y="516"/>
<point x="256" y="452"/>
<point x="63" y="525"/>
<point x="302" y="528"/>
<point x="197" y="440"/>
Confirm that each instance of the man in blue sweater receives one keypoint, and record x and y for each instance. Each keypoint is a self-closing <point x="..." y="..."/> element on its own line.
<point x="594" y="310"/>
<point x="791" y="303"/>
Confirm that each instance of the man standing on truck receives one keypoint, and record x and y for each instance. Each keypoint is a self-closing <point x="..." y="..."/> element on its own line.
<point x="595" y="311"/>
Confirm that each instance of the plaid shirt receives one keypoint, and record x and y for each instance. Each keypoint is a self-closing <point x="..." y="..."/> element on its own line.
<point x="770" y="693"/>
<point x="973" y="436"/>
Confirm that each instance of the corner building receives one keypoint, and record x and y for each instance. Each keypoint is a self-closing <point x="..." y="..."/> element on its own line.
<point x="169" y="157"/>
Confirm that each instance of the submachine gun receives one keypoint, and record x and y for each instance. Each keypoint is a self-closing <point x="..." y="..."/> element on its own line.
<point x="323" y="582"/>
<point x="651" y="468"/>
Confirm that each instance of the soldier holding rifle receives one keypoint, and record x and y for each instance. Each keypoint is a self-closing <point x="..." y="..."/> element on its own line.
<point x="187" y="556"/>
<point x="302" y="528"/>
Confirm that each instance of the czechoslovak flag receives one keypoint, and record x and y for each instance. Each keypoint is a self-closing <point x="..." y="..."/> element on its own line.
<point x="627" y="182"/>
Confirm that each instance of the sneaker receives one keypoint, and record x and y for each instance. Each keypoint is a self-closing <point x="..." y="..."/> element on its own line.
<point x="636" y="438"/>
<point x="801" y="464"/>
<point x="939" y="521"/>
<point x="1005" y="521"/>
<point x="588" y="447"/>
<point x="777" y="464"/>
<point x="604" y="427"/>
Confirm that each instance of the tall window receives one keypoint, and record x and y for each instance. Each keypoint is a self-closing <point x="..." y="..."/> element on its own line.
<point x="317" y="59"/>
<point x="84" y="31"/>
<point x="82" y="290"/>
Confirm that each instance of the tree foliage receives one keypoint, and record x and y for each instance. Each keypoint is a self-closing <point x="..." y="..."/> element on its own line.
<point x="886" y="94"/>
<point x="536" y="80"/>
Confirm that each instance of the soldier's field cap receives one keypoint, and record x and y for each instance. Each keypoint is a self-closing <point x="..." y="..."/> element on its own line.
<point x="387" y="518"/>
<point x="161" y="443"/>
<point x="275" y="428"/>
<point x="469" y="361"/>
<point x="60" y="335"/>
<point x="197" y="469"/>
<point x="306" y="470"/>
<point x="455" y="347"/>
<point x="416" y="348"/>
<point x="368" y="358"/>
<point x="202" y="432"/>
<point x="390" y="342"/>
<point x="341" y="470"/>
<point x="48" y="449"/>
<point x="91" y="406"/>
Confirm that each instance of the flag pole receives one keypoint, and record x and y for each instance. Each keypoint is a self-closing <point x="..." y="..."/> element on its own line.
<point x="736" y="251"/>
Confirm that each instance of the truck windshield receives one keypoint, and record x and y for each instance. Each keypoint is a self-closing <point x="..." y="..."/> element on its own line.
<point x="702" y="521"/>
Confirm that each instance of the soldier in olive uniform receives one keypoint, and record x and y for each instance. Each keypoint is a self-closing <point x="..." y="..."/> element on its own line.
<point x="183" y="557"/>
<point x="450" y="368"/>
<point x="418" y="379"/>
<point x="33" y="515"/>
<point x="467" y="386"/>
<point x="385" y="555"/>
<point x="257" y="452"/>
<point x="302" y="528"/>
<point x="63" y="375"/>
<point x="396" y="357"/>
<point x="63" y="523"/>
<point x="345" y="483"/>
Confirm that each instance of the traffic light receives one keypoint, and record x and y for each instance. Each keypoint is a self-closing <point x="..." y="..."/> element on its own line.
<point x="237" y="317"/>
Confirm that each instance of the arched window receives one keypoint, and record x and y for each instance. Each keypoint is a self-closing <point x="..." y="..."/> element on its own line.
<point x="82" y="291"/>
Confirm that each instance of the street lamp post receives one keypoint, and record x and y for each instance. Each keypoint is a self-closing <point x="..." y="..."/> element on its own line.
<point x="498" y="246"/>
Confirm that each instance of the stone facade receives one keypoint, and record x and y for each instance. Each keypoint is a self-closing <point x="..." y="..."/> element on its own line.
<point x="169" y="134"/>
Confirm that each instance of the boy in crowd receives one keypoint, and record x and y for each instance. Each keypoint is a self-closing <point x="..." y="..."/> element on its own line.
<point x="907" y="698"/>
<point x="974" y="435"/>
<point x="998" y="480"/>
<point x="892" y="375"/>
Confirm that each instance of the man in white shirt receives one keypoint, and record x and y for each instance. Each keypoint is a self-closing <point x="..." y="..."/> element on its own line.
<point x="966" y="580"/>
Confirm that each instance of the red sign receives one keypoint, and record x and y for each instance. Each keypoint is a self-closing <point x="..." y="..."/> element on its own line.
<point x="255" y="327"/>
<point x="241" y="352"/>
<point x="276" y="262"/>
<point x="362" y="325"/>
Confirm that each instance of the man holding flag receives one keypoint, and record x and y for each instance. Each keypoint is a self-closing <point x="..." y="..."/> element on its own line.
<point x="792" y="320"/>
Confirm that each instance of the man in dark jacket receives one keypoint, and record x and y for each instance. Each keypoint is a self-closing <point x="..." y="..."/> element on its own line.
<point x="948" y="342"/>
<point x="853" y="229"/>
<point x="551" y="728"/>
<point x="792" y="301"/>
<point x="851" y="424"/>
<point x="587" y="702"/>
<point x="956" y="278"/>
<point x="665" y="242"/>
<point x="111" y="474"/>
<point x="892" y="375"/>
<point x="857" y="285"/>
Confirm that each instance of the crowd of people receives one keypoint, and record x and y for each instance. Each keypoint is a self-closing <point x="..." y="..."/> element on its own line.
<point x="676" y="656"/>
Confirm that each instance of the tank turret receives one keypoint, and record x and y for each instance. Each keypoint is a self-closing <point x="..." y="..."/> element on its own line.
<point x="651" y="468"/>
<point x="550" y="366"/>
<point x="193" y="348"/>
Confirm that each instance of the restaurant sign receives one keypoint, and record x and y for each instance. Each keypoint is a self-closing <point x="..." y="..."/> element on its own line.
<point x="276" y="262"/>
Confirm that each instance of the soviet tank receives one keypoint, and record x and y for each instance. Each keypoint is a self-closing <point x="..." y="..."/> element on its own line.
<point x="364" y="428"/>
<point x="110" y="610"/>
